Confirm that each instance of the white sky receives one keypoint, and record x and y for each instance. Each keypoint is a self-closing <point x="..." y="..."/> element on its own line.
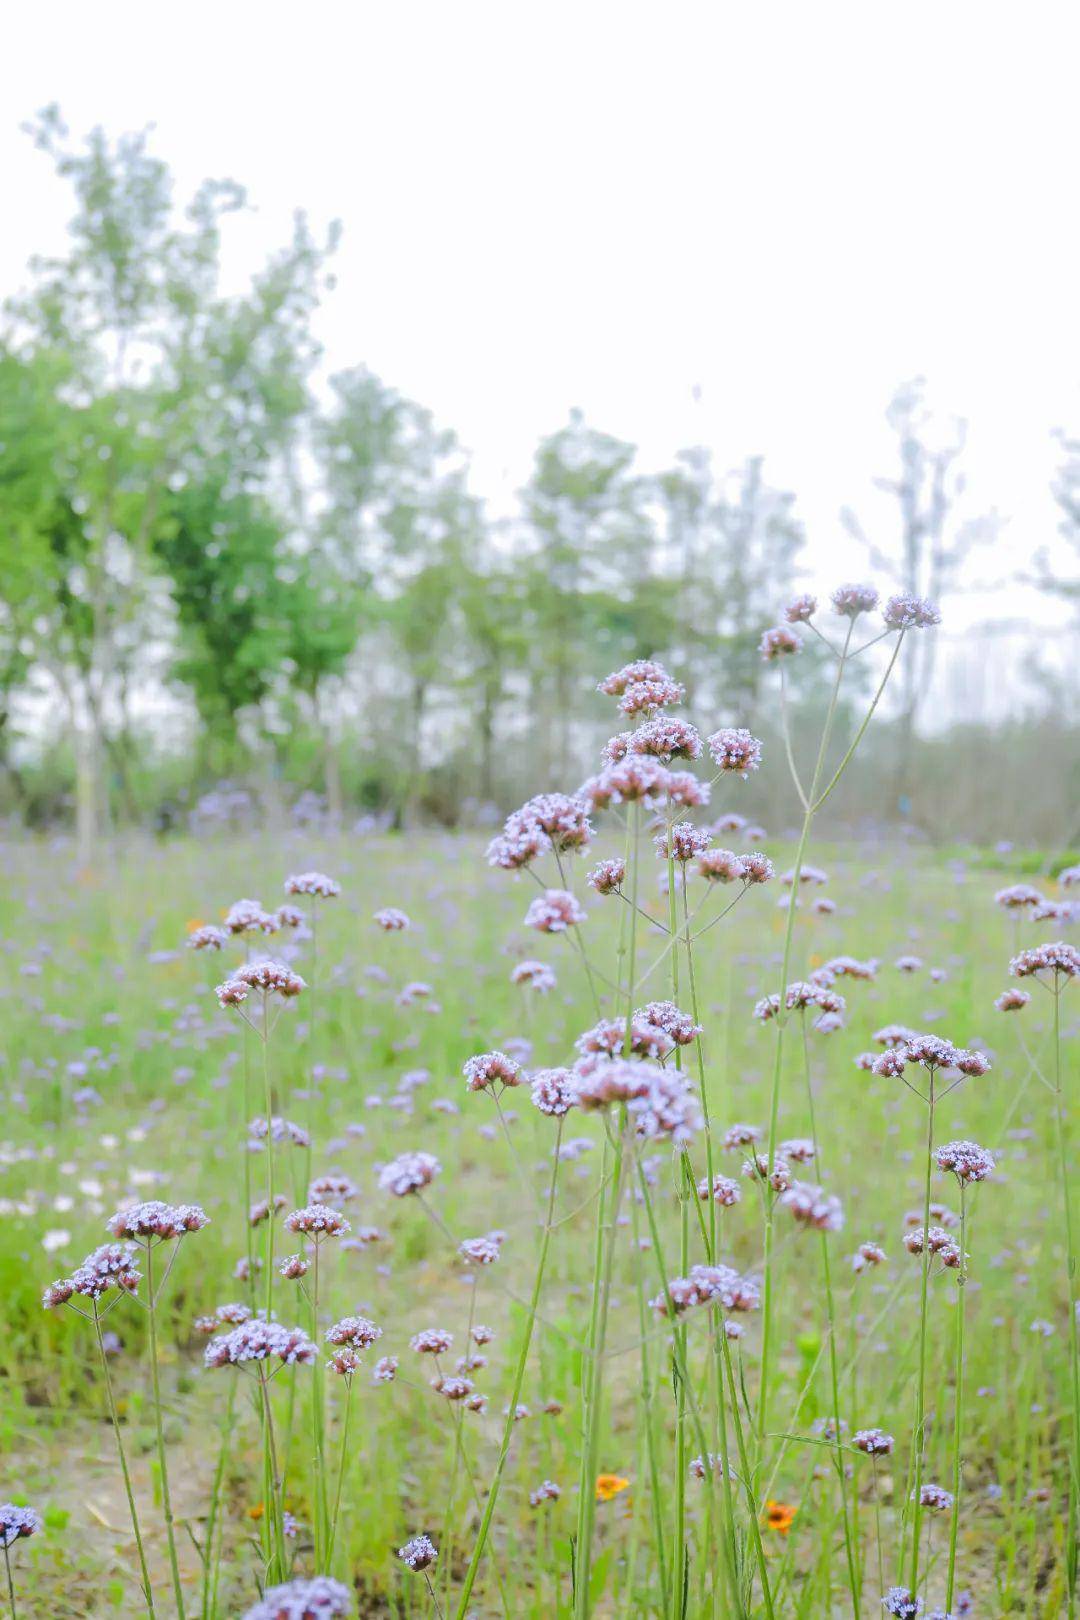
<point x="794" y="207"/>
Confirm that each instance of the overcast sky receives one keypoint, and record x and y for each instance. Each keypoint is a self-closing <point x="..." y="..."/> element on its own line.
<point x="789" y="209"/>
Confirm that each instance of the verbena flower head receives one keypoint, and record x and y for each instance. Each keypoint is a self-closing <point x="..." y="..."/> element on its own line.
<point x="867" y="1255"/>
<point x="313" y="883"/>
<point x="331" y="1188"/>
<point x="287" y="916"/>
<point x="519" y="844"/>
<point x="740" y="1136"/>
<point x="144" y="1222"/>
<point x="684" y="789"/>
<point x="256" y="1341"/>
<point x="1058" y="959"/>
<point x="666" y="1016"/>
<point x="851" y="600"/>
<point x="608" y="1038"/>
<point x="546" y="1491"/>
<point x="355" y="1331"/>
<point x="906" y="612"/>
<point x="317" y="1599"/>
<point x="409" y="1173"/>
<point x="812" y="1206"/>
<point x="935" y="1498"/>
<point x="490" y="1069"/>
<point x="632" y="780"/>
<point x="207" y="938"/>
<point x="902" y="1603"/>
<point x="683" y="841"/>
<point x="271" y="978"/>
<point x="317" y="1221"/>
<point x="1012" y="1000"/>
<point x="607" y="876"/>
<point x="935" y="1241"/>
<point x="722" y="1190"/>
<point x="641" y="669"/>
<point x="666" y="738"/>
<point x="431" y="1342"/>
<point x="734" y="749"/>
<point x="874" y="1442"/>
<point x="1017" y="896"/>
<point x="480" y="1251"/>
<point x="708" y="1285"/>
<point x="278" y="1130"/>
<point x="391" y="920"/>
<point x="801" y="609"/>
<point x="646" y="697"/>
<point x="562" y="818"/>
<point x="418" y="1554"/>
<point x="779" y="642"/>
<point x="107" y="1267"/>
<point x="659" y="1101"/>
<point x="249" y="917"/>
<point x="17" y="1523"/>
<point x="553" y="912"/>
<point x="967" y="1160"/>
<point x="757" y="868"/>
<point x="537" y="976"/>
<point x="553" y="1091"/>
<point x="721" y="866"/>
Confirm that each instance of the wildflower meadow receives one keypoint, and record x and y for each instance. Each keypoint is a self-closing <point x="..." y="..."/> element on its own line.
<point x="639" y="1212"/>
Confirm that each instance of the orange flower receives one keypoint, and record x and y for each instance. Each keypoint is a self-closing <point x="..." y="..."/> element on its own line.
<point x="778" y="1516"/>
<point x="255" y="1511"/>
<point x="609" y="1485"/>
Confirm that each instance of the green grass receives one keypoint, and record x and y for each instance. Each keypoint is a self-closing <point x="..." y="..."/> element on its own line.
<point x="169" y="1066"/>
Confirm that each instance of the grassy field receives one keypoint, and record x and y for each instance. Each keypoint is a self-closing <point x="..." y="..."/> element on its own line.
<point x="123" y="1079"/>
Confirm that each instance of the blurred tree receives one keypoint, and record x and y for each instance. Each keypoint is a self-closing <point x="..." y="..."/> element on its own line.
<point x="725" y="546"/>
<point x="589" y="538"/>
<point x="933" y="542"/>
<point x="1066" y="491"/>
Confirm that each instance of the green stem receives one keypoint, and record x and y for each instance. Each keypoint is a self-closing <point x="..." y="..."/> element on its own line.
<point x="1074" y="1348"/>
<point x="10" y="1582"/>
<point x="170" y="1534"/>
<point x="519" y="1378"/>
<point x="958" y="1419"/>
<point x="212" y="1564"/>
<point x="341" y="1473"/>
<point x="128" y="1492"/>
<point x="768" y="1289"/>
<point x="608" y="1235"/>
<point x="920" y="1388"/>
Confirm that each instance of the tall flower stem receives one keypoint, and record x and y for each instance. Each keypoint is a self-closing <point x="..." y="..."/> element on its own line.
<point x="768" y="1286"/>
<point x="10" y="1582"/>
<point x="918" y="1435"/>
<point x="679" y="1552"/>
<point x="1067" y="1170"/>
<point x="212" y="1558"/>
<point x="278" y="1564"/>
<point x="128" y="1492"/>
<point x="268" y="1103"/>
<point x="318" y="1423"/>
<point x="830" y="1318"/>
<point x="159" y="1431"/>
<point x="342" y="1466"/>
<point x="515" y="1394"/>
<point x="813" y="801"/>
<point x="958" y="1417"/>
<point x="593" y="1371"/>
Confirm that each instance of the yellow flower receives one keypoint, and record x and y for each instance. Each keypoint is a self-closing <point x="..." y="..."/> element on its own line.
<point x="778" y="1516"/>
<point x="609" y="1485"/>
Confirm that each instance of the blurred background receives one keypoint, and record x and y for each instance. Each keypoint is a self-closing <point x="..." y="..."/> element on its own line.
<point x="373" y="382"/>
